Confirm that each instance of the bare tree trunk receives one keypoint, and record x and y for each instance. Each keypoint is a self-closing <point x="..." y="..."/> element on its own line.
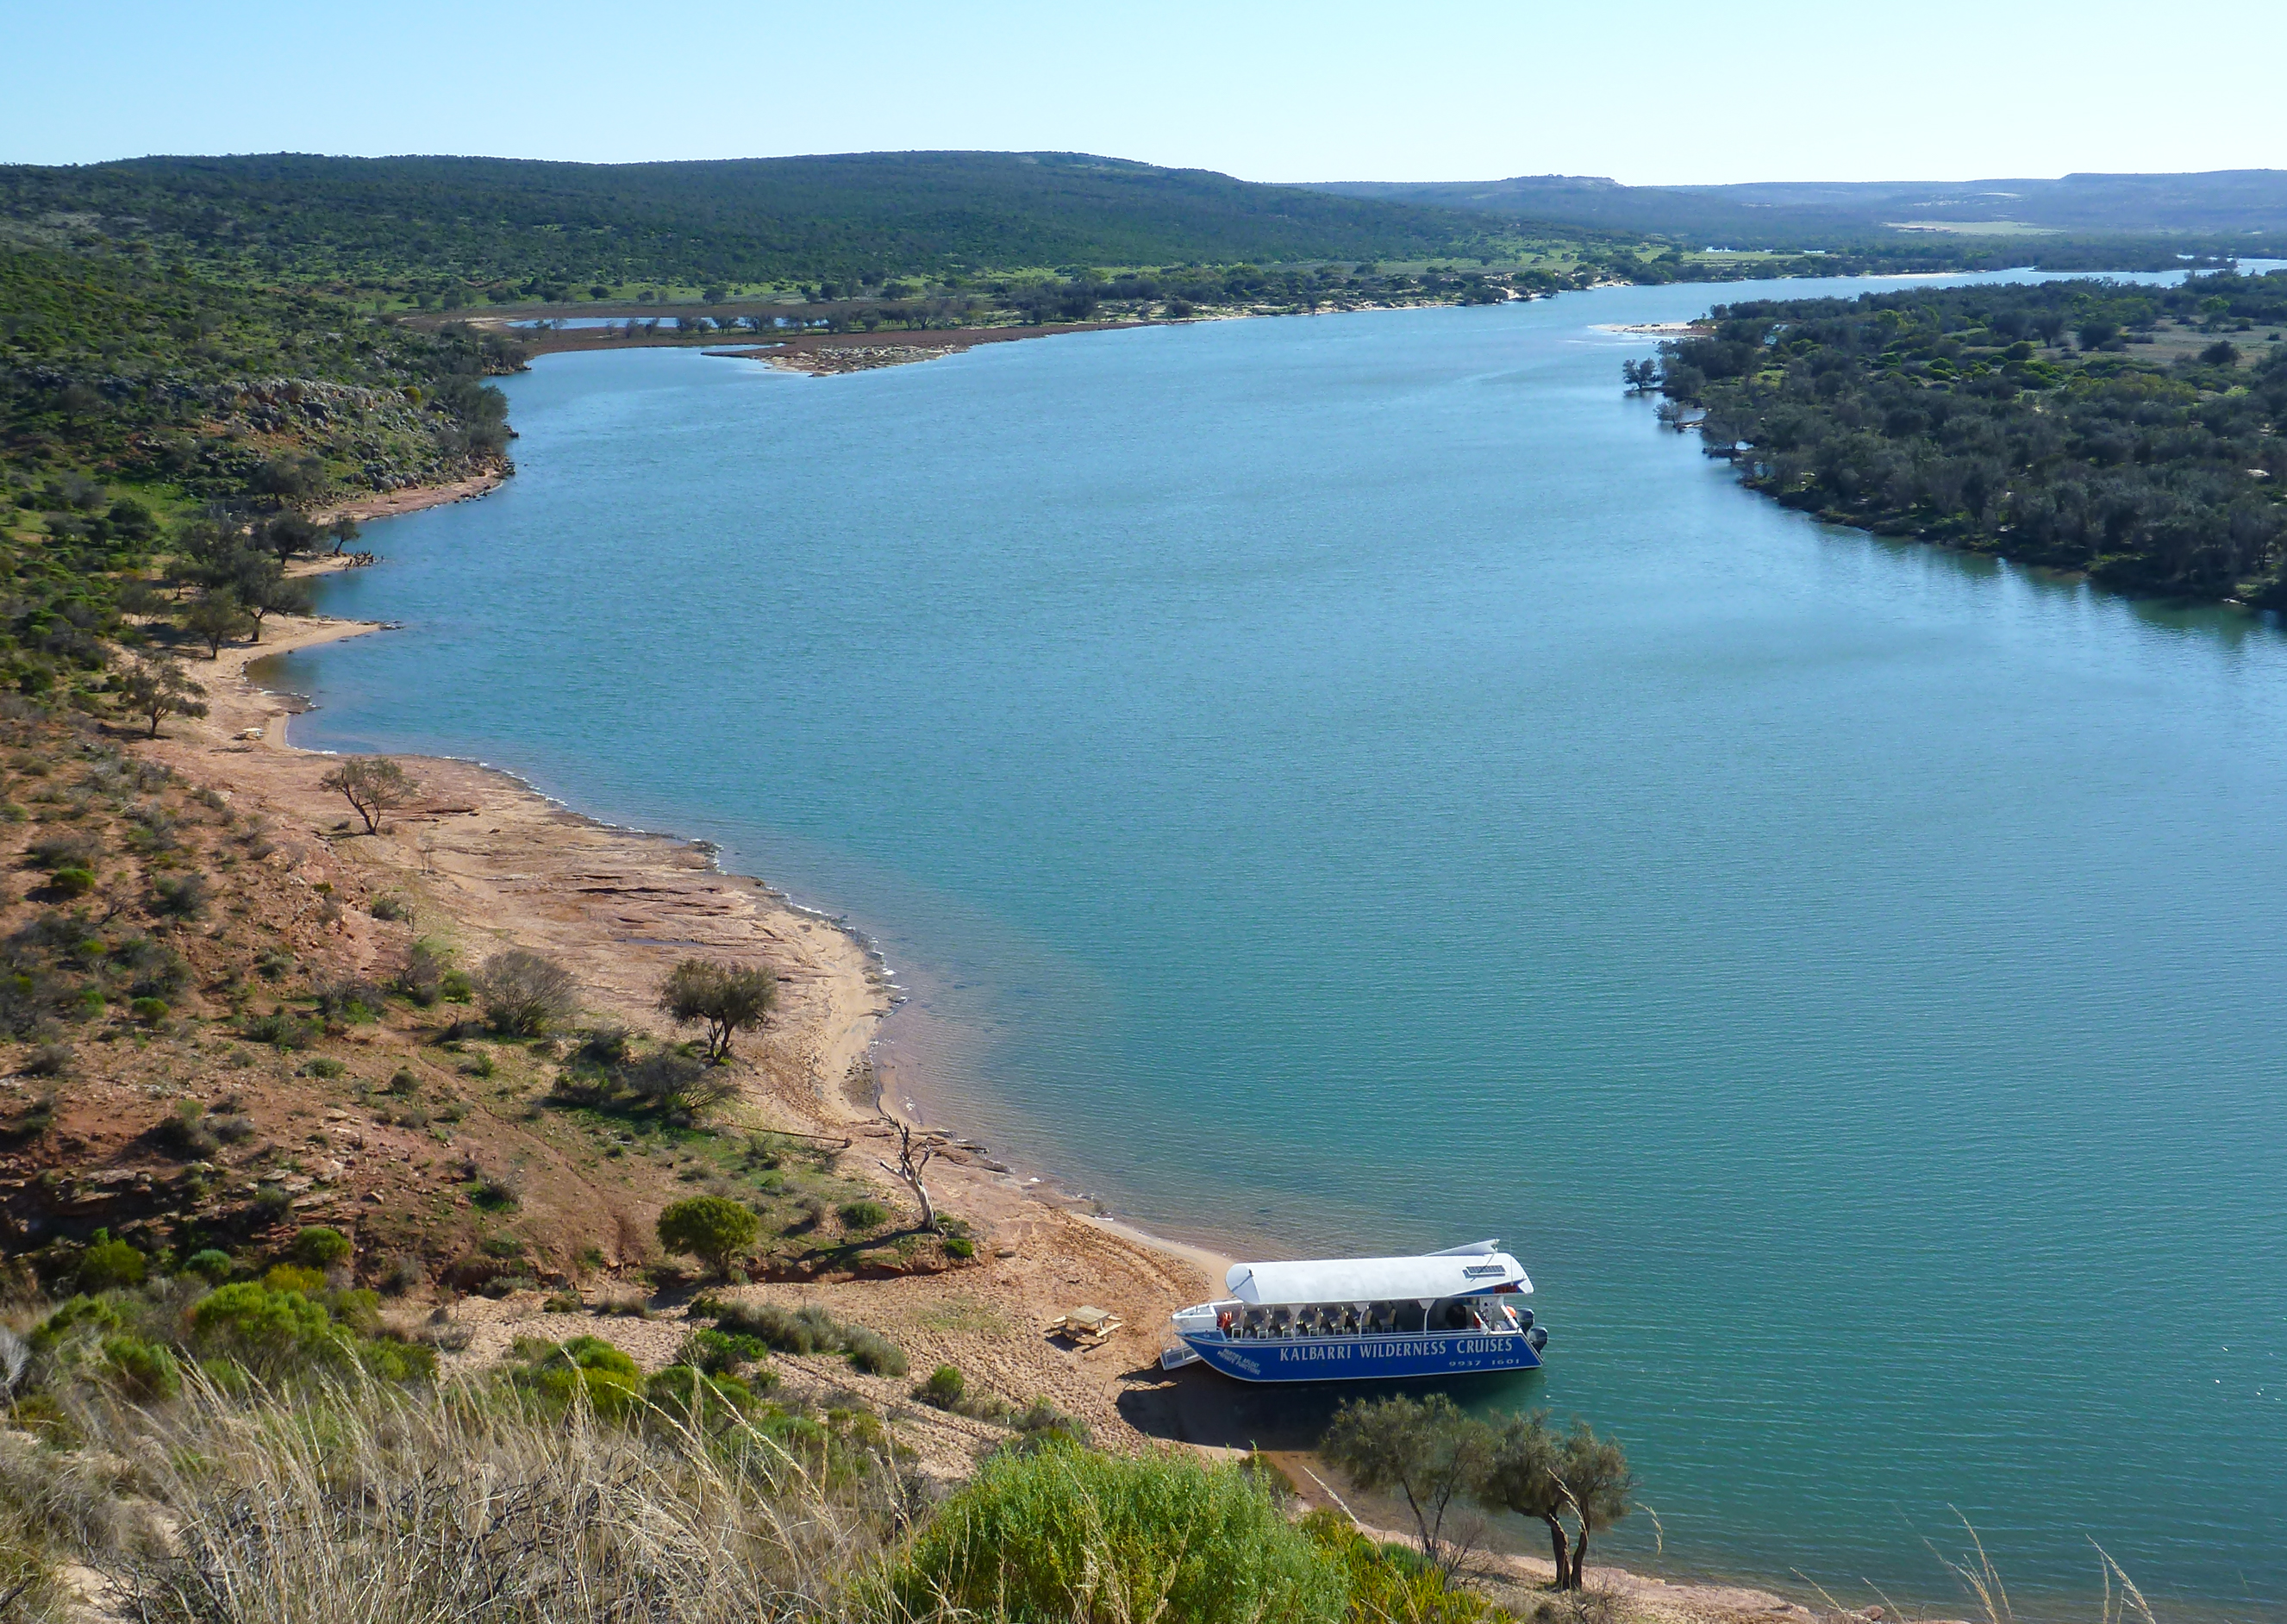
<point x="1564" y="1563"/>
<point x="908" y="1171"/>
<point x="1580" y="1556"/>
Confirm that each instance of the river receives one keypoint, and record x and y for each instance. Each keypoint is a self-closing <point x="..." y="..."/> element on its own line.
<point x="1356" y="783"/>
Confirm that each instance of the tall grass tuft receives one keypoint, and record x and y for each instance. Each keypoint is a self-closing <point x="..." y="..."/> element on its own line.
<point x="367" y="1504"/>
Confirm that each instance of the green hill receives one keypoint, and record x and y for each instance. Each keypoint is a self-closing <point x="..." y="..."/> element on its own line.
<point x="529" y="227"/>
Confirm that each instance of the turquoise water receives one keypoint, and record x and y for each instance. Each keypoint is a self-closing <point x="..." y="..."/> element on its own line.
<point x="1354" y="783"/>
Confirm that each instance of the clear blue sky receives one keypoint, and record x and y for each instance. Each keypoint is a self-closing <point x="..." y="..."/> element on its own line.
<point x="1648" y="92"/>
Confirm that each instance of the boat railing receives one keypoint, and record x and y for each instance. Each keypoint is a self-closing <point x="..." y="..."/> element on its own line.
<point x="1238" y="1321"/>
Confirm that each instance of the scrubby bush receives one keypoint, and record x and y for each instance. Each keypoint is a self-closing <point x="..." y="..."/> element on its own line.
<point x="944" y="1388"/>
<point x="182" y="896"/>
<point x="674" y="1083"/>
<point x="585" y="1368"/>
<point x="71" y="881"/>
<point x="281" y="1028"/>
<point x="391" y="906"/>
<point x="352" y="1000"/>
<point x="690" y="1395"/>
<point x="720" y="1353"/>
<point x="808" y="1329"/>
<point x="150" y="1011"/>
<point x="874" y="1353"/>
<point x="1397" y="1581"/>
<point x="144" y="1370"/>
<point x="185" y="1134"/>
<point x="320" y="1247"/>
<point x="862" y="1215"/>
<point x="325" y="1068"/>
<point x="268" y="1331"/>
<point x="108" y="1265"/>
<point x="209" y="1265"/>
<point x="523" y="994"/>
<point x="1071" y="1534"/>
<point x="422" y="977"/>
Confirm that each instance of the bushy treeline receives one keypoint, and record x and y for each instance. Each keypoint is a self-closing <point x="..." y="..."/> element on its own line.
<point x="2023" y="418"/>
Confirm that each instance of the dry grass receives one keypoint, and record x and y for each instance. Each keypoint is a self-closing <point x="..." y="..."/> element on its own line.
<point x="363" y="1504"/>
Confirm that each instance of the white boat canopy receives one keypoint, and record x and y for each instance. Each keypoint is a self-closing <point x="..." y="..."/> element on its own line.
<point x="1457" y="1273"/>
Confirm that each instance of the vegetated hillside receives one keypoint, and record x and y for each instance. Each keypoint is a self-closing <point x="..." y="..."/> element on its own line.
<point x="557" y="228"/>
<point x="2220" y="210"/>
<point x="112" y="369"/>
<point x="2148" y="453"/>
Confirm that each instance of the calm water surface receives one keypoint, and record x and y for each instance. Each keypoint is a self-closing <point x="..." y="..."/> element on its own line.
<point x="1354" y="783"/>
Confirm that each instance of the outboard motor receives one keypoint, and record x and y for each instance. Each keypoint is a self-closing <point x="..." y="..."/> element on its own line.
<point x="1525" y="1320"/>
<point x="1538" y="1337"/>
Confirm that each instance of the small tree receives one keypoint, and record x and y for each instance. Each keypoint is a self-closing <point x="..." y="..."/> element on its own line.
<point x="156" y="689"/>
<point x="263" y="589"/>
<point x="1526" y="1476"/>
<point x="214" y="618"/>
<point x="727" y="997"/>
<point x="1427" y="1449"/>
<point x="373" y="786"/>
<point x="711" y="1228"/>
<point x="522" y="993"/>
<point x="1597" y="1481"/>
<point x="908" y="1171"/>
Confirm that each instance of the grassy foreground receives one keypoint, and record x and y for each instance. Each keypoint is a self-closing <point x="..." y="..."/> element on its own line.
<point x="261" y="1452"/>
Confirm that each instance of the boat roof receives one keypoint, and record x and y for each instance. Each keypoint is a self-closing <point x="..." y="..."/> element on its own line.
<point x="1482" y="1266"/>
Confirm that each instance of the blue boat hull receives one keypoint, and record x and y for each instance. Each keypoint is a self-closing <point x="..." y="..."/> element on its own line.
<point x="1364" y="1359"/>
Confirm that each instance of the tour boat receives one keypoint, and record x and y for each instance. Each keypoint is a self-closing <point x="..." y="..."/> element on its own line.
<point x="1366" y="1318"/>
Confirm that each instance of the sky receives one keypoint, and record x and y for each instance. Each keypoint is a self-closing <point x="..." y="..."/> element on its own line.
<point x="1651" y="92"/>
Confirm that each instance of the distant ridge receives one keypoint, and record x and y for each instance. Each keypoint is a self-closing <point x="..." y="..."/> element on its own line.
<point x="752" y="219"/>
<point x="2218" y="202"/>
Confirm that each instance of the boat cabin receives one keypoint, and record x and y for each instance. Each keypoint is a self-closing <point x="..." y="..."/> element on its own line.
<point x="1460" y="1291"/>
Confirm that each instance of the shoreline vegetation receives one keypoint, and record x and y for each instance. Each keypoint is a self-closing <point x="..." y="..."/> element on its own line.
<point x="365" y="1098"/>
<point x="2128" y="433"/>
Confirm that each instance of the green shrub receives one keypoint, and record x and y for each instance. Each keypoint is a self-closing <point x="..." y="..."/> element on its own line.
<point x="1392" y="1582"/>
<point x="150" y="1011"/>
<point x="874" y="1353"/>
<point x="323" y="1067"/>
<point x="108" y="1265"/>
<point x="210" y="1265"/>
<point x="71" y="881"/>
<point x="81" y="1313"/>
<point x="1041" y="1425"/>
<point x="143" y="1369"/>
<point x="713" y="1228"/>
<point x="320" y="1248"/>
<point x="187" y="1134"/>
<point x="184" y="896"/>
<point x="943" y="1389"/>
<point x="959" y="1245"/>
<point x="268" y="1330"/>
<point x="283" y="1028"/>
<point x="686" y="1393"/>
<point x="586" y="1367"/>
<point x="294" y="1277"/>
<point x="808" y="1329"/>
<point x="721" y="1353"/>
<point x="1071" y="1534"/>
<point x="863" y="1215"/>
